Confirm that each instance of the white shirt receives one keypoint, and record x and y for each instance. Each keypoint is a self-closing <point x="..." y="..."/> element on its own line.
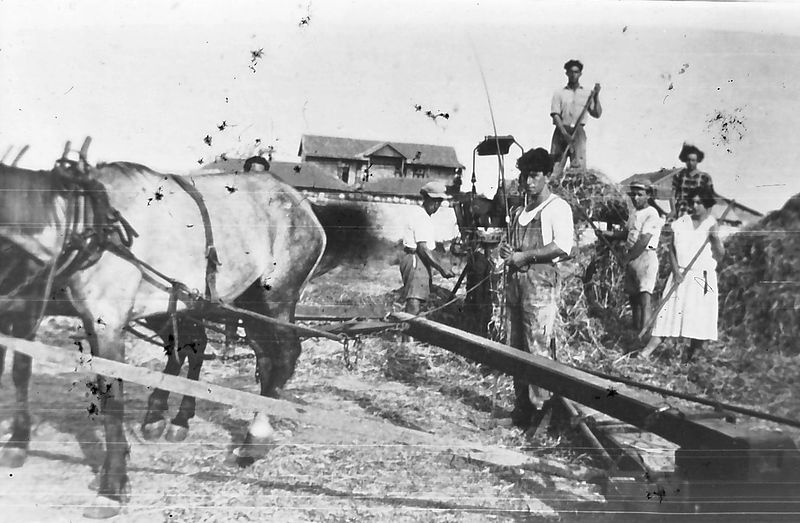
<point x="569" y="104"/>
<point x="644" y="221"/>
<point x="557" y="225"/>
<point x="420" y="228"/>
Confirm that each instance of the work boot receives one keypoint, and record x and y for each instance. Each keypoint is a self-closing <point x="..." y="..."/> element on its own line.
<point x="522" y="416"/>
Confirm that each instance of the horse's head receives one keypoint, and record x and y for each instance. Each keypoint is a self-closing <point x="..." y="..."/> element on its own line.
<point x="32" y="206"/>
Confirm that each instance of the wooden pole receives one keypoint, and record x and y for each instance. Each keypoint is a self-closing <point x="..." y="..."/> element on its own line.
<point x="20" y="154"/>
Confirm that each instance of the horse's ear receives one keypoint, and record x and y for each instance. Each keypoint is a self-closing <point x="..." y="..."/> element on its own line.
<point x="248" y="164"/>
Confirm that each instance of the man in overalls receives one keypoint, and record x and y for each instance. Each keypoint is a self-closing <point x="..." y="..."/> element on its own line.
<point x="541" y="233"/>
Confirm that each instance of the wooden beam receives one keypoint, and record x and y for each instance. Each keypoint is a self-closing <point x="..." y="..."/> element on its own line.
<point x="306" y="312"/>
<point x="72" y="360"/>
<point x="643" y="409"/>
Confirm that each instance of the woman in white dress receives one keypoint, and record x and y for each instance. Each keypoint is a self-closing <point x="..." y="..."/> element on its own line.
<point x="692" y="310"/>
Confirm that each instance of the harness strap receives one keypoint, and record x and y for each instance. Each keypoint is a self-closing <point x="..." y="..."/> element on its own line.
<point x="212" y="259"/>
<point x="172" y="307"/>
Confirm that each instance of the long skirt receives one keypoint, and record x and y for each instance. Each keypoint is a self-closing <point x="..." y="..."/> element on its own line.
<point x="692" y="310"/>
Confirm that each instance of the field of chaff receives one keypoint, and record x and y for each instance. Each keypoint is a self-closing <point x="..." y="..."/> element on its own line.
<point x="383" y="387"/>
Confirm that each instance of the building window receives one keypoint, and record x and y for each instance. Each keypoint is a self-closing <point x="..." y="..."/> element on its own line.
<point x="419" y="172"/>
<point x="346" y="173"/>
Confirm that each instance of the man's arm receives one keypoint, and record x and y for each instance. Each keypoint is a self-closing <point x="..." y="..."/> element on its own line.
<point x="613" y="235"/>
<point x="639" y="247"/>
<point x="431" y="260"/>
<point x="545" y="254"/>
<point x="560" y="126"/>
<point x="560" y="219"/>
<point x="555" y="113"/>
<point x="595" y="108"/>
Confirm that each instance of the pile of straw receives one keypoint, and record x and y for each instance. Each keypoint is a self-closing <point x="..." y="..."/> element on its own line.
<point x="759" y="282"/>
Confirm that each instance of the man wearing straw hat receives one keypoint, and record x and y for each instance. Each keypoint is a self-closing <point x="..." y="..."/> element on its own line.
<point x="566" y="109"/>
<point x="418" y="244"/>
<point x="688" y="178"/>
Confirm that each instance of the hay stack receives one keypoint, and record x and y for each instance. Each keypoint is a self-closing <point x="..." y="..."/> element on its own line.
<point x="759" y="282"/>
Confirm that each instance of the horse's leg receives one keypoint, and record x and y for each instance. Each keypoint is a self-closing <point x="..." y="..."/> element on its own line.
<point x="194" y="348"/>
<point x="277" y="350"/>
<point x="114" y="489"/>
<point x="6" y="327"/>
<point x="15" y="451"/>
<point x="154" y="422"/>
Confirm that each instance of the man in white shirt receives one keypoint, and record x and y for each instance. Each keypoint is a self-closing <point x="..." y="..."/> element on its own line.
<point x="565" y="109"/>
<point x="541" y="233"/>
<point x="418" y="245"/>
<point x="641" y="239"/>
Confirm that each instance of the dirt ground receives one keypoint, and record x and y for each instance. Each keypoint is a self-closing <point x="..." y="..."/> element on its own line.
<point x="311" y="474"/>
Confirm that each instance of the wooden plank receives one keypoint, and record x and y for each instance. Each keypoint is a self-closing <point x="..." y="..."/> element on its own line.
<point x="640" y="408"/>
<point x="306" y="312"/>
<point x="72" y="360"/>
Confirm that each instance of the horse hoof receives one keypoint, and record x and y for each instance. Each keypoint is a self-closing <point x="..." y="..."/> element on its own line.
<point x="253" y="450"/>
<point x="154" y="430"/>
<point x="176" y="433"/>
<point x="11" y="457"/>
<point x="102" y="508"/>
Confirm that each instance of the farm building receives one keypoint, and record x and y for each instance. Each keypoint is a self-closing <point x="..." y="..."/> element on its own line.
<point x="383" y="202"/>
<point x="356" y="161"/>
<point x="661" y="180"/>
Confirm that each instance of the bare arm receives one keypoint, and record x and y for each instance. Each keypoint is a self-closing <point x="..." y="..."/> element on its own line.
<point x="595" y="109"/>
<point x="431" y="260"/>
<point x="560" y="126"/>
<point x="613" y="235"/>
<point x="673" y="261"/>
<point x="717" y="247"/>
<point x="545" y="254"/>
<point x="639" y="247"/>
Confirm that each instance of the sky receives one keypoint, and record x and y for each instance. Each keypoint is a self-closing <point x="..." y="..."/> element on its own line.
<point x="149" y="80"/>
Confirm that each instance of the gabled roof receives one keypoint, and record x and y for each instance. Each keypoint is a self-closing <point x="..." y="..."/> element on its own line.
<point x="378" y="147"/>
<point x="302" y="176"/>
<point x="661" y="181"/>
<point x="356" y="149"/>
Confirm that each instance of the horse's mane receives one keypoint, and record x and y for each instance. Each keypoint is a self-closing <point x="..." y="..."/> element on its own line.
<point x="130" y="169"/>
<point x="27" y="198"/>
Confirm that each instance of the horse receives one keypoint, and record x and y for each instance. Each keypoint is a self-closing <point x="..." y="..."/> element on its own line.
<point x="268" y="244"/>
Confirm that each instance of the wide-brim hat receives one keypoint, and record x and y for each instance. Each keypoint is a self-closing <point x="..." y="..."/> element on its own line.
<point x="436" y="190"/>
<point x="689" y="148"/>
